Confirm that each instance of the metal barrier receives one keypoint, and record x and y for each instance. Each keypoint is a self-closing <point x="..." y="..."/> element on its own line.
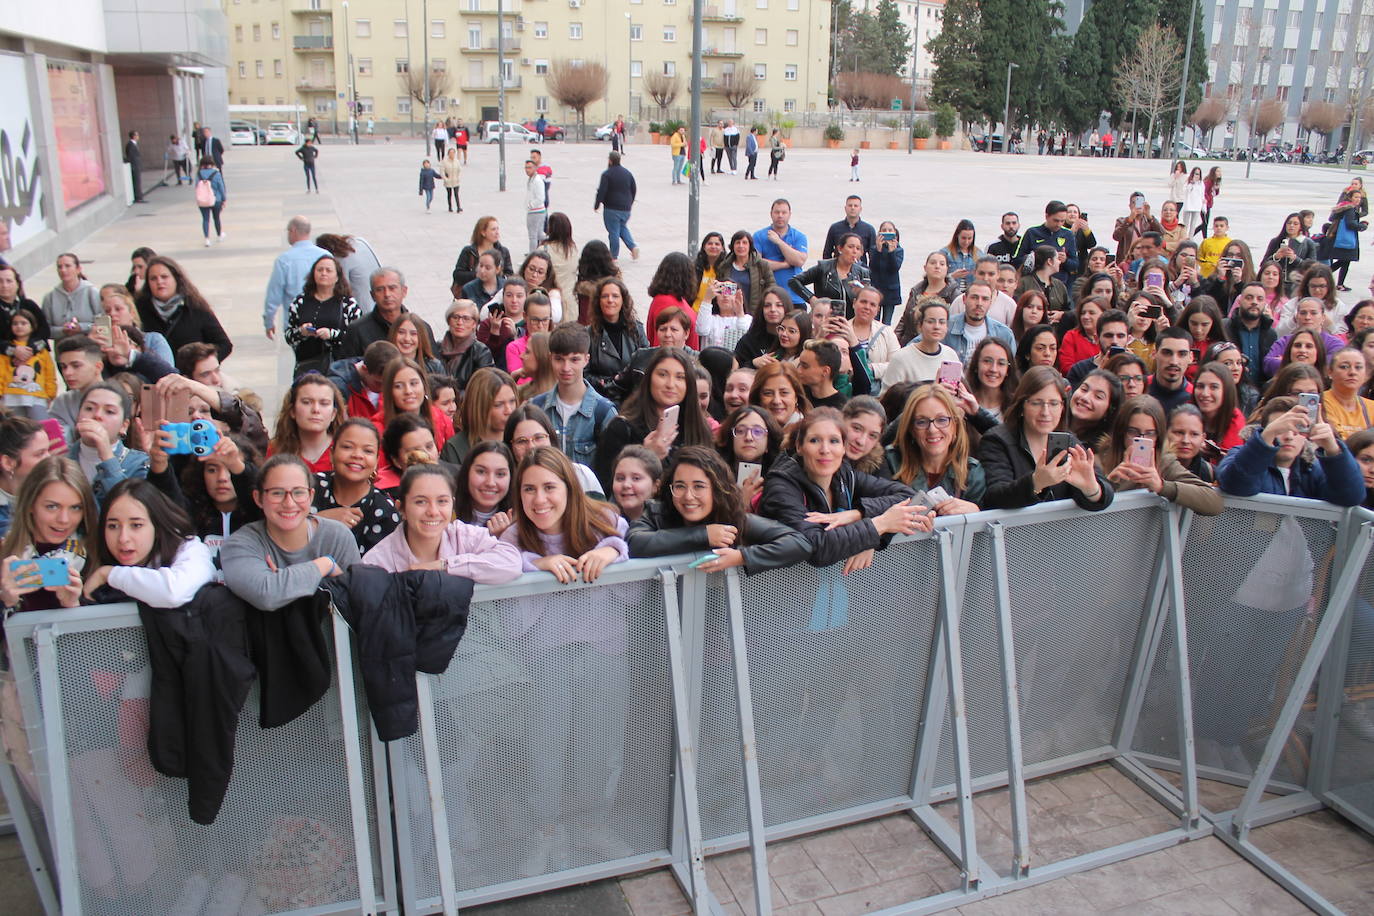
<point x="661" y="714"/>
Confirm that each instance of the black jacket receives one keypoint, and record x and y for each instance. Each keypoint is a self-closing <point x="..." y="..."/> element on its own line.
<point x="1267" y="337"/>
<point x="617" y="189"/>
<point x="788" y="495"/>
<point x="1009" y="466"/>
<point x="862" y="229"/>
<point x="827" y="283"/>
<point x="465" y="268"/>
<point x="404" y="623"/>
<point x="460" y="366"/>
<point x="188" y="325"/>
<point x="610" y="355"/>
<point x="767" y="544"/>
<point x="618" y="433"/>
<point x="368" y="329"/>
<point x="292" y="656"/>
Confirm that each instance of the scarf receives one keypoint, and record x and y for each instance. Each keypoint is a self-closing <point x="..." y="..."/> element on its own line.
<point x="169" y="308"/>
<point x="1168" y="225"/>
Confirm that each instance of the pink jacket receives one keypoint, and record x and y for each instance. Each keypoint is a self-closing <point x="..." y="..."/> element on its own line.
<point x="466" y="550"/>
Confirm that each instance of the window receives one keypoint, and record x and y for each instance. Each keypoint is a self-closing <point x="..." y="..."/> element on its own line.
<point x="436" y="28"/>
<point x="541" y="30"/>
<point x="636" y="33"/>
<point x="364" y="28"/>
<point x="279" y="101"/>
<point x="1342" y="23"/>
<point x="258" y="68"/>
<point x="403" y="104"/>
<point x="364" y="66"/>
<point x="575" y="30"/>
<point x="1270" y="16"/>
<point x="789" y="72"/>
<point x="793" y="37"/>
<point x="669" y="68"/>
<point x="238" y="33"/>
<point x="789" y="104"/>
<point x="440" y="105"/>
<point x="257" y="33"/>
<point x="474" y="37"/>
<point x="669" y="2"/>
<point x="276" y="30"/>
<point x="438" y="64"/>
<point x="243" y="69"/>
<point x="760" y="36"/>
<point x="399" y="28"/>
<point x="761" y="4"/>
<point x="760" y="71"/>
<point x="670" y="33"/>
<point x="402" y="65"/>
<point x="794" y="5"/>
<point x="262" y="100"/>
<point x="760" y="106"/>
<point x="1294" y="19"/>
<point x="541" y="67"/>
<point x="1289" y="54"/>
<point x="636" y="69"/>
<point x="541" y="103"/>
<point x="276" y="69"/>
<point x="365" y="105"/>
<point x="322" y="106"/>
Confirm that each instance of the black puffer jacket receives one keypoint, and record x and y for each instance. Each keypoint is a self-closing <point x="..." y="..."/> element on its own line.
<point x="788" y="495"/>
<point x="767" y="544"/>
<point x="404" y="623"/>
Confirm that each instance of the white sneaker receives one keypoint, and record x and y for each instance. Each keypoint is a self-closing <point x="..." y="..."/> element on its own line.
<point x="207" y="241"/>
<point x="223" y="236"/>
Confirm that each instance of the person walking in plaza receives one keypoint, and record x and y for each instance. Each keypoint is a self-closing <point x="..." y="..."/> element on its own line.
<point x="134" y="157"/>
<point x="616" y="192"/>
<point x="678" y="144"/>
<point x="427" y="178"/>
<point x="717" y="147"/>
<point x="180" y="157"/>
<point x="210" y="197"/>
<point x="440" y="136"/>
<point x="536" y="210"/>
<point x="854" y="164"/>
<point x="212" y="147"/>
<point x="453" y="173"/>
<point x="751" y="153"/>
<point x="289" y="271"/>
<point x="307" y="154"/>
<point x="732" y="145"/>
<point x="776" y="153"/>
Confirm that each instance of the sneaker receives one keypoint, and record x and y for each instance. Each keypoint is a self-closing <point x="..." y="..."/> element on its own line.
<point x="223" y="236"/>
<point x="207" y="241"/>
<point x="634" y="253"/>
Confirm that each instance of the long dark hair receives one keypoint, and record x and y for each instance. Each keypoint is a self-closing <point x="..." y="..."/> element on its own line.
<point x="627" y="318"/>
<point x="725" y="436"/>
<point x="727" y="502"/>
<point x="639" y="408"/>
<point x="462" y="497"/>
<point x="396" y="430"/>
<point x="1090" y="434"/>
<point x="205" y="515"/>
<point x="559" y="233"/>
<point x="595" y="262"/>
<point x="961" y="226"/>
<point x="675" y="277"/>
<point x="702" y="262"/>
<point x="171" y="525"/>
<point x="190" y="295"/>
<point x="341" y="288"/>
<point x="1217" y="427"/>
<point x="975" y="384"/>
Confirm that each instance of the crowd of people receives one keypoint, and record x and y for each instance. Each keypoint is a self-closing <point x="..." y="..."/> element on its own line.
<point x="756" y="404"/>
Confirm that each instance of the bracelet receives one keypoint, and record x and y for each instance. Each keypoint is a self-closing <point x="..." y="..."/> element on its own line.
<point x="332" y="565"/>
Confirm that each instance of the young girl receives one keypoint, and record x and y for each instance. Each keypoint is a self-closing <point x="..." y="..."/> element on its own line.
<point x="52" y="511"/>
<point x="431" y="538"/>
<point x="635" y="479"/>
<point x="405" y="390"/>
<point x="347" y="494"/>
<point x="1193" y="202"/>
<point x="1214" y="393"/>
<point x="411" y="335"/>
<point x="762" y="337"/>
<point x="428" y="176"/>
<point x="854" y="164"/>
<point x="793" y="331"/>
<point x="108" y="446"/>
<point x="217" y="490"/>
<point x="530" y="428"/>
<point x="443" y="391"/>
<point x="647" y="415"/>
<point x="1188" y="443"/>
<point x="29" y="385"/>
<point x="536" y="374"/>
<point x="407" y="440"/>
<point x="483" y="493"/>
<point x="864" y="420"/>
<point x="1143" y="418"/>
<point x="488" y="401"/>
<point x="311" y="413"/>
<point x="558" y="528"/>
<point x="749" y="434"/>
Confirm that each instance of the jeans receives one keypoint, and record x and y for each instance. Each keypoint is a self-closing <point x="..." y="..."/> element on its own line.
<point x="678" y="162"/>
<point x="773" y="161"/>
<point x="753" y="162"/>
<point x="731" y="153"/>
<point x="534" y="225"/>
<point x="311" y="176"/>
<point x="429" y="197"/>
<point x="205" y="214"/>
<point x="617" y="228"/>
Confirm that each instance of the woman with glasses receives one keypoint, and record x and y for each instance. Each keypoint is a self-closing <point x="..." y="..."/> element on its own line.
<point x="1017" y="464"/>
<point x="1317" y="282"/>
<point x="1135" y="456"/>
<point x="932" y="449"/>
<point x="1130" y="370"/>
<point x="529" y="428"/>
<point x="1342" y="405"/>
<point x="749" y="434"/>
<point x="285" y="556"/>
<point x="700" y="509"/>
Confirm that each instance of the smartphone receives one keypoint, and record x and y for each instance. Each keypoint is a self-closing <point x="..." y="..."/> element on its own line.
<point x="950" y="373"/>
<point x="887" y="236"/>
<point x="1312" y="402"/>
<point x="729" y="287"/>
<point x="1227" y="263"/>
<point x="150" y="407"/>
<point x="1154" y="278"/>
<point x="101" y="329"/>
<point x="701" y="561"/>
<point x="1083" y="216"/>
<point x="670" y="414"/>
<point x="1154" y="311"/>
<point x="1113" y="351"/>
<point x="51" y="570"/>
<point x="57" y="439"/>
<point x="1141" y="452"/>
<point x="746" y="469"/>
<point x="1058" y="443"/>
<point x="934" y="496"/>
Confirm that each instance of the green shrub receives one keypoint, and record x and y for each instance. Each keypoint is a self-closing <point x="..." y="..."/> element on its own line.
<point x="921" y="130"/>
<point x="945" y="120"/>
<point x="834" y="132"/>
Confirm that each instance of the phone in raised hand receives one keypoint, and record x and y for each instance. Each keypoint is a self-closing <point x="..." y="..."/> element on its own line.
<point x="1312" y="402"/>
<point x="1141" y="452"/>
<point x="670" y="415"/>
<point x="950" y="373"/>
<point x="746" y="469"/>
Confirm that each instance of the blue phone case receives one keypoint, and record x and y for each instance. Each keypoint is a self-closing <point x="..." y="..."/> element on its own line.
<point x="51" y="570"/>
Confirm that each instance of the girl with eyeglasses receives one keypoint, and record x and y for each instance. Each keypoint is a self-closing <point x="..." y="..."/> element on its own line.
<point x="528" y="428"/>
<point x="700" y="508"/>
<point x="1342" y="404"/>
<point x="1159" y="471"/>
<point x="932" y="449"/>
<point x="749" y="434"/>
<point x="285" y="556"/>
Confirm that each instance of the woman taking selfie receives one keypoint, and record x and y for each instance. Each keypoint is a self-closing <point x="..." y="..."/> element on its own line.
<point x="762" y="337"/>
<point x="1135" y="456"/>
<point x="53" y="513"/>
<point x="749" y="435"/>
<point x="662" y="413"/>
<point x="701" y="509"/>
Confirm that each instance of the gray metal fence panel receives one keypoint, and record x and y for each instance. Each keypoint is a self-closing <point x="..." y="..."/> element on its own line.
<point x="1351" y="789"/>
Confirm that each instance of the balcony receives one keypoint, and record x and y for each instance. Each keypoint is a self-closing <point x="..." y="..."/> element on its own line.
<point x="311" y="8"/>
<point x="718" y="52"/>
<point x="323" y="84"/>
<point x="488" y="8"/>
<point x="511" y="46"/>
<point x="313" y="42"/>
<point x="717" y="14"/>
<point x="490" y="84"/>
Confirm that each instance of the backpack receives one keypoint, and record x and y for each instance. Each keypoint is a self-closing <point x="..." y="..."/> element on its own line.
<point x="205" y="193"/>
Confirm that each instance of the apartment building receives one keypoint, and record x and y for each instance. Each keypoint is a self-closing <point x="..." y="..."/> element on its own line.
<point x="925" y="18"/>
<point x="286" y="52"/>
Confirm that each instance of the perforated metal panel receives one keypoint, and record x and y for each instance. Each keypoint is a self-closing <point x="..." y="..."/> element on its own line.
<point x="1078" y="592"/>
<point x="555" y="737"/>
<point x="1352" y="768"/>
<point x="283" y="838"/>
<point x="1241" y="571"/>
<point x="839" y="667"/>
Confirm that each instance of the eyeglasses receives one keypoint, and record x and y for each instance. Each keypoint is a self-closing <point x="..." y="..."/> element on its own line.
<point x="1044" y="405"/>
<point x="1131" y="379"/>
<point x="279" y="494"/>
<point x="996" y="363"/>
<point x="462" y="319"/>
<point x="696" y="489"/>
<point x="527" y="441"/>
<point x="928" y="422"/>
<point x="1134" y="433"/>
<point x="749" y="432"/>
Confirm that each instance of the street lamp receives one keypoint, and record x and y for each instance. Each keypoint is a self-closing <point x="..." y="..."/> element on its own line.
<point x="629" y="63"/>
<point x="352" y="87"/>
<point x="1006" y="113"/>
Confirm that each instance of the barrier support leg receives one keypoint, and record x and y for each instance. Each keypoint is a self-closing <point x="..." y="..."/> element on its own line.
<point x="28" y="840"/>
<point x="54" y="735"/>
<point x="353" y="760"/>
<point x="1011" y="701"/>
<point x="954" y="667"/>
<point x="1184" y="684"/>
<point x="1331" y="686"/>
<point x="434" y="780"/>
<point x="693" y="631"/>
<point x="1337" y="606"/>
<point x="753" y="790"/>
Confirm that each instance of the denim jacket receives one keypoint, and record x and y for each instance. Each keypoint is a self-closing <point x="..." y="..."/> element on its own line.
<point x="125" y="463"/>
<point x="577" y="438"/>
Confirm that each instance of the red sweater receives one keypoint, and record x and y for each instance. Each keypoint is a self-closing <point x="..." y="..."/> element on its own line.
<point x="1074" y="348"/>
<point x="658" y="304"/>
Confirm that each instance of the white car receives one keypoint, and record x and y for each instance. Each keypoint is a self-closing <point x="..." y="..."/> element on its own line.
<point x="282" y="132"/>
<point x="515" y="133"/>
<point x="604" y="131"/>
<point x="242" y="133"/>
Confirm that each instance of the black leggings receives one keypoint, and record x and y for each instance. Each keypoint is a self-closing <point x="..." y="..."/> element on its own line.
<point x="1341" y="269"/>
<point x="453" y="198"/>
<point x="773" y="165"/>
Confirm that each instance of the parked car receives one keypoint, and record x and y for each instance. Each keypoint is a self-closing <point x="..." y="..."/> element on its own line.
<point x="551" y="131"/>
<point x="604" y="131"/>
<point x="282" y="132"/>
<point x="515" y="133"/>
<point x="980" y="144"/>
<point x="246" y="133"/>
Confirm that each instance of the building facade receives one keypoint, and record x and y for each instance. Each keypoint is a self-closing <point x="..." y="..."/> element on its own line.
<point x="925" y="18"/>
<point x="286" y="52"/>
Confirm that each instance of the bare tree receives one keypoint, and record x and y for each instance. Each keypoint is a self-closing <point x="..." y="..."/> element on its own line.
<point x="1264" y="117"/>
<point x="1208" y="116"/>
<point x="413" y="84"/>
<point x="1150" y="77"/>
<point x="1321" y="118"/>
<point x="577" y="85"/>
<point x="739" y="87"/>
<point x="872" y="90"/>
<point x="663" y="89"/>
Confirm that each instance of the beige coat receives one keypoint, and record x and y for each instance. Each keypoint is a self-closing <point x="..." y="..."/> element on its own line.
<point x="452" y="171"/>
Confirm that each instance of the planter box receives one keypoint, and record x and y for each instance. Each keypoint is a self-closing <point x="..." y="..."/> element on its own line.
<point x="865" y="144"/>
<point x="945" y="144"/>
<point x="893" y="144"/>
<point x="922" y="142"/>
<point x="833" y="144"/>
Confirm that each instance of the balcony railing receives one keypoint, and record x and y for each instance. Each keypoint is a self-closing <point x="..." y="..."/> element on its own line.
<point x="311" y="8"/>
<point x="717" y="14"/>
<point x="324" y="84"/>
<point x="488" y="8"/>
<point x="488" y="46"/>
<point x="313" y="42"/>
<point x="719" y="52"/>
<point x="490" y="84"/>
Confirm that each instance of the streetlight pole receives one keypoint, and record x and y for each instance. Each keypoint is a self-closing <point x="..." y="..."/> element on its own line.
<point x="501" y="90"/>
<point x="629" y="66"/>
<point x="352" y="87"/>
<point x="911" y="122"/>
<point x="694" y="134"/>
<point x="1006" y="113"/>
<point x="425" y="25"/>
<point x="1254" y="113"/>
<point x="1183" y="86"/>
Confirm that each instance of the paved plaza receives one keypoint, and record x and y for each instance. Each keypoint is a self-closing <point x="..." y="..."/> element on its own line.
<point x="370" y="191"/>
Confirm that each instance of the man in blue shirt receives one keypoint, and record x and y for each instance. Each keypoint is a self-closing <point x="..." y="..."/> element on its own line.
<point x="782" y="247"/>
<point x="289" y="272"/>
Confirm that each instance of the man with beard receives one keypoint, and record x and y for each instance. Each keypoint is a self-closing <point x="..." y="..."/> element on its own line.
<point x="1173" y="355"/>
<point x="1004" y="249"/>
<point x="1252" y="328"/>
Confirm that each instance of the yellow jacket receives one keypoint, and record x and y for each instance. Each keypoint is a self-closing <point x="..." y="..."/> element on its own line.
<point x="677" y="143"/>
<point x="16" y="383"/>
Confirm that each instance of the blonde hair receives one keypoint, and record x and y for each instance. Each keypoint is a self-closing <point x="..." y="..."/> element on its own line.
<point x="53" y="469"/>
<point x="910" y="451"/>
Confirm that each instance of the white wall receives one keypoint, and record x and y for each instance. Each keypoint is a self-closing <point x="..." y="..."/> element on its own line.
<point x="77" y="23"/>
